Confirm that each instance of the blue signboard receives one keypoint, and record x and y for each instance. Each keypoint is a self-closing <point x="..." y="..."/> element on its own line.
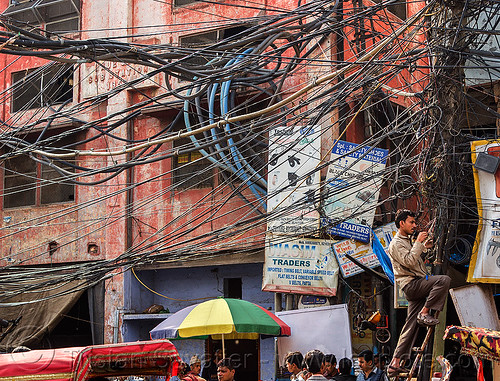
<point x="352" y="188"/>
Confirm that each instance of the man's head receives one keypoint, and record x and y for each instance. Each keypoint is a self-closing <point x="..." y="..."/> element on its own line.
<point x="345" y="366"/>
<point x="330" y="364"/>
<point x="366" y="361"/>
<point x="195" y="364"/>
<point x="293" y="362"/>
<point x="225" y="370"/>
<point x="406" y="221"/>
<point x="314" y="361"/>
<point x="218" y="355"/>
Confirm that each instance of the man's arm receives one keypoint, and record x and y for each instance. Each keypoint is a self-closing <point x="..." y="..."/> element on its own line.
<point x="409" y="259"/>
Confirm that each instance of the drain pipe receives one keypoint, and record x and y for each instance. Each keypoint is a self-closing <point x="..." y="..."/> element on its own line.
<point x="129" y="205"/>
<point x="115" y="326"/>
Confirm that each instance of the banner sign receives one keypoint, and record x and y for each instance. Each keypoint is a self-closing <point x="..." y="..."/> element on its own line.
<point x="293" y="181"/>
<point x="301" y="266"/>
<point x="485" y="260"/>
<point x="362" y="251"/>
<point x="352" y="188"/>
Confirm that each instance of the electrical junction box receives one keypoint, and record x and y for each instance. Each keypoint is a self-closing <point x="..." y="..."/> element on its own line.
<point x="487" y="163"/>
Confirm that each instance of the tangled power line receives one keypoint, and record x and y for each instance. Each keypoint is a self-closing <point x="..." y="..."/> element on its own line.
<point x="223" y="99"/>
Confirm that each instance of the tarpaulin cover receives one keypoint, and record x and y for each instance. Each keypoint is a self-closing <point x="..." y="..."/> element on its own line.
<point x="38" y="318"/>
<point x="480" y="342"/>
<point x="382" y="257"/>
<point x="82" y="363"/>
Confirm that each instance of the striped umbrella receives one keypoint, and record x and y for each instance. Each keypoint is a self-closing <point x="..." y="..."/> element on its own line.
<point x="221" y="318"/>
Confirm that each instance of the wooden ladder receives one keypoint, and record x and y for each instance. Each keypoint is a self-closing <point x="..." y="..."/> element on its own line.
<point x="420" y="352"/>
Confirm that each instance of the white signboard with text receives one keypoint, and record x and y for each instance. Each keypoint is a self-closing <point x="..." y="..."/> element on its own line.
<point x="485" y="261"/>
<point x="302" y="266"/>
<point x="352" y="184"/>
<point x="293" y="181"/>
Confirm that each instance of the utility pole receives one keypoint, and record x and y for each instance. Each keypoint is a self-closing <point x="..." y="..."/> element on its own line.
<point x="442" y="141"/>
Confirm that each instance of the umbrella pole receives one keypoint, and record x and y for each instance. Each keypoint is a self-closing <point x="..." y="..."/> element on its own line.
<point x="223" y="348"/>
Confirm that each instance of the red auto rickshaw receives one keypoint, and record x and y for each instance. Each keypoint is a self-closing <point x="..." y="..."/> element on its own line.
<point x="142" y="358"/>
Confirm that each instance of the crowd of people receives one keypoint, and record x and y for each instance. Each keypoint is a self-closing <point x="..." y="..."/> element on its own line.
<point x="316" y="366"/>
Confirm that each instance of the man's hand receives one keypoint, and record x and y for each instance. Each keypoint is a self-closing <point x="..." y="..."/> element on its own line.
<point x="422" y="236"/>
<point x="425" y="239"/>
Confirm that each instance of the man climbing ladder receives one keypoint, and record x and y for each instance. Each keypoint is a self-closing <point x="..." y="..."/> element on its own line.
<point x="425" y="293"/>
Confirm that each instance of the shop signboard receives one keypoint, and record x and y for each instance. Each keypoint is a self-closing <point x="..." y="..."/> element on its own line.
<point x="485" y="260"/>
<point x="293" y="179"/>
<point x="302" y="266"/>
<point x="362" y="251"/>
<point x="352" y="188"/>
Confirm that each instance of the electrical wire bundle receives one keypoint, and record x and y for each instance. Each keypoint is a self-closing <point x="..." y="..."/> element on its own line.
<point x="248" y="84"/>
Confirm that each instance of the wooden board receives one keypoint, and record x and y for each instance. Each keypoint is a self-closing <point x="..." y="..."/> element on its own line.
<point x="475" y="306"/>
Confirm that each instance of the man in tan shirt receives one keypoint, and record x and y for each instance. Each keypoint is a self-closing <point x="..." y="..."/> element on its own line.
<point x="424" y="292"/>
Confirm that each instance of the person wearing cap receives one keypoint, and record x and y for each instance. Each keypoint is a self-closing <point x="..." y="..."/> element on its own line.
<point x="193" y="373"/>
<point x="195" y="365"/>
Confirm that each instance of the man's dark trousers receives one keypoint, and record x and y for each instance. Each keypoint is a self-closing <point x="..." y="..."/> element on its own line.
<point x="430" y="292"/>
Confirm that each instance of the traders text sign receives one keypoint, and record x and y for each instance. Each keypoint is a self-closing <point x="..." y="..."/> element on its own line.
<point x="352" y="187"/>
<point x="303" y="266"/>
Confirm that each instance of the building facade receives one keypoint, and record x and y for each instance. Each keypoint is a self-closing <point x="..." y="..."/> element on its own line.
<point x="135" y="136"/>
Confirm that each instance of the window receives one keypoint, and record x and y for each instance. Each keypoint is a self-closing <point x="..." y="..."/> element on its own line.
<point x="191" y="170"/>
<point x="180" y="3"/>
<point x="19" y="181"/>
<point x="58" y="16"/>
<point x="28" y="183"/>
<point x="396" y="8"/>
<point x="46" y="85"/>
<point x="232" y="288"/>
<point x="201" y="41"/>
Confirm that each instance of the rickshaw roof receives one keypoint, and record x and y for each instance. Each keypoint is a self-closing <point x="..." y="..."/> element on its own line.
<point x="81" y="363"/>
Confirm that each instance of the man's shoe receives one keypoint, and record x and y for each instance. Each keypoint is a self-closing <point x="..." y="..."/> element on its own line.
<point x="427" y="320"/>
